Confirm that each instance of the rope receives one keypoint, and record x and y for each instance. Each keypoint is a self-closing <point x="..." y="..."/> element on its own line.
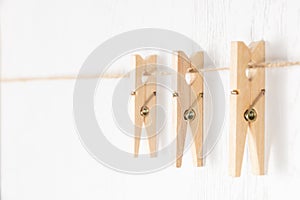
<point x="73" y="77"/>
<point x="214" y="69"/>
<point x="273" y="65"/>
<point x="63" y="77"/>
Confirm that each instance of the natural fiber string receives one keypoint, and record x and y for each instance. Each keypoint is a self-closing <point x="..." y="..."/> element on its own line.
<point x="273" y="65"/>
<point x="214" y="69"/>
<point x="73" y="77"/>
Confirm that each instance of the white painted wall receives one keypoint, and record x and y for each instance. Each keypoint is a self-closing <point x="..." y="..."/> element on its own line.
<point x="41" y="154"/>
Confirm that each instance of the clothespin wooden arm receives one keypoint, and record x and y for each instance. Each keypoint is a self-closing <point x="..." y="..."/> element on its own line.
<point x="189" y="104"/>
<point x="145" y="102"/>
<point x="244" y="89"/>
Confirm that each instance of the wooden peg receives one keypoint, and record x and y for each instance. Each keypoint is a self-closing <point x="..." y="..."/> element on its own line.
<point x="247" y="106"/>
<point x="189" y="106"/>
<point x="145" y="101"/>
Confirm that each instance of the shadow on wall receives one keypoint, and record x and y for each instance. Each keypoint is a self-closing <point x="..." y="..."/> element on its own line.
<point x="276" y="110"/>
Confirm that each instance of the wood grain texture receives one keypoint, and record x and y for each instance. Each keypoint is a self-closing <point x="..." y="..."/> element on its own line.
<point x="36" y="42"/>
<point x="245" y="87"/>
<point x="240" y="57"/>
<point x="145" y="95"/>
<point x="257" y="128"/>
<point x="196" y="125"/>
<point x="183" y="102"/>
<point x="190" y="97"/>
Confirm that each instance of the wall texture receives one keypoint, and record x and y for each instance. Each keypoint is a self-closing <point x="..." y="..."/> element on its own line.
<point x="41" y="154"/>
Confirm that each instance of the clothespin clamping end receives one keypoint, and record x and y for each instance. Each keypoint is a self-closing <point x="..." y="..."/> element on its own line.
<point x="189" y="104"/>
<point x="145" y="101"/>
<point x="247" y="106"/>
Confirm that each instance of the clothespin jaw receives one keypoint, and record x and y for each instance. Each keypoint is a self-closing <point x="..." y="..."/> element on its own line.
<point x="189" y="104"/>
<point x="247" y="106"/>
<point x="145" y="101"/>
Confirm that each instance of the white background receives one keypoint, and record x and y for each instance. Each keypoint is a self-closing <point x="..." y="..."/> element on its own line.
<point x="41" y="154"/>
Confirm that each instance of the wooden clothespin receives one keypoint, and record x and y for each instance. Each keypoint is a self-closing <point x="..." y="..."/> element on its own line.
<point x="247" y="106"/>
<point x="145" y="101"/>
<point x="189" y="106"/>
